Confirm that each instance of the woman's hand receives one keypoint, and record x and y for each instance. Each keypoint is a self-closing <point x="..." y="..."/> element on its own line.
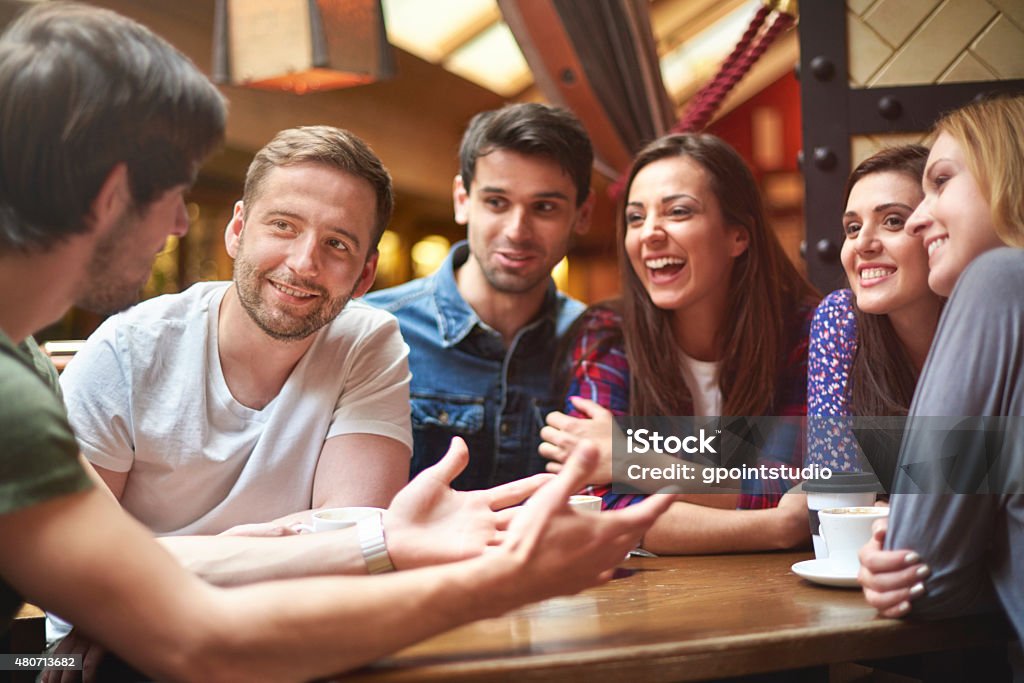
<point x="563" y="432"/>
<point x="890" y="578"/>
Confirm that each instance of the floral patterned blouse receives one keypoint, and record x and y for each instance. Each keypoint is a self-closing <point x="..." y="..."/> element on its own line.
<point x="833" y="341"/>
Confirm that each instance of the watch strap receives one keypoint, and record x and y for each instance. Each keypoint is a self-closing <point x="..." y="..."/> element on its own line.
<point x="373" y="545"/>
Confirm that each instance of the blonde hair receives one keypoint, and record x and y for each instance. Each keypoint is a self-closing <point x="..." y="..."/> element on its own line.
<point x="988" y="131"/>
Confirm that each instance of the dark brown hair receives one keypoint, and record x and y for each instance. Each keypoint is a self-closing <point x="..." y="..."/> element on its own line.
<point x="764" y="291"/>
<point x="883" y="377"/>
<point x="85" y="89"/>
<point x="532" y="129"/>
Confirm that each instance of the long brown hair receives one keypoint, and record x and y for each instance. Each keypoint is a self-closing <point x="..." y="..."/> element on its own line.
<point x="882" y="377"/>
<point x="764" y="290"/>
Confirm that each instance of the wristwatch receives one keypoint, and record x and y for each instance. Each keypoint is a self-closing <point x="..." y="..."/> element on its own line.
<point x="373" y="545"/>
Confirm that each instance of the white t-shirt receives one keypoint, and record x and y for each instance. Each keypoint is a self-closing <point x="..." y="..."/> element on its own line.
<point x="147" y="394"/>
<point x="701" y="379"/>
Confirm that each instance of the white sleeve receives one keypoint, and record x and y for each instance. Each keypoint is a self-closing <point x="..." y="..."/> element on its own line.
<point x="96" y="393"/>
<point x="375" y="398"/>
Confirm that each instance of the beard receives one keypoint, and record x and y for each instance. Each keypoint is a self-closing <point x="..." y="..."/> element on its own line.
<point x="509" y="282"/>
<point x="277" y="321"/>
<point x="110" y="285"/>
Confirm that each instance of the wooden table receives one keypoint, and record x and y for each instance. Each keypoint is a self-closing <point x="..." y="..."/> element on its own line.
<point x="681" y="619"/>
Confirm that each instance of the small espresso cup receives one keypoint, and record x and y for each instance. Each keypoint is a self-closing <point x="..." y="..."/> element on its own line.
<point x="330" y="519"/>
<point x="579" y="502"/>
<point x="840" y="490"/>
<point x="844" y="531"/>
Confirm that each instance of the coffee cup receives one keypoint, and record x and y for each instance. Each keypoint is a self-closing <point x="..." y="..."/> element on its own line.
<point x="844" y="531"/>
<point x="841" y="489"/>
<point x="580" y="502"/>
<point x="330" y="519"/>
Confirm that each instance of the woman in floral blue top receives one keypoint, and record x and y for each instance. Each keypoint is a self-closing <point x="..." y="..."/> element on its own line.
<point x="869" y="342"/>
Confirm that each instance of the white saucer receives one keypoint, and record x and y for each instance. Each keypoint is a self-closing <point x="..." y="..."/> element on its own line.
<point x="821" y="571"/>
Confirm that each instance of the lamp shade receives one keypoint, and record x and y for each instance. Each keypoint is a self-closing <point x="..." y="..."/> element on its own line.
<point x="300" y="45"/>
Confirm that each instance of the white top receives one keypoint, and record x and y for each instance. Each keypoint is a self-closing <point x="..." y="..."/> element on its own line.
<point x="147" y="394"/>
<point x="701" y="379"/>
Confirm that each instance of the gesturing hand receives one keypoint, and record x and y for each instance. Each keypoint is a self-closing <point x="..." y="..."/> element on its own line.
<point x="890" y="578"/>
<point x="555" y="550"/>
<point x="563" y="432"/>
<point x="75" y="643"/>
<point x="428" y="522"/>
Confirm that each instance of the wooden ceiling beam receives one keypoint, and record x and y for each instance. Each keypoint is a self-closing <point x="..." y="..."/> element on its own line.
<point x="557" y="69"/>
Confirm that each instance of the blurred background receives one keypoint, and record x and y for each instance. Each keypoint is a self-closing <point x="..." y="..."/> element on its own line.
<point x="445" y="60"/>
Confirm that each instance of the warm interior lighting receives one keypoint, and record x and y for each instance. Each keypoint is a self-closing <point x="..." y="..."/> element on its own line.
<point x="466" y="37"/>
<point x="311" y="80"/>
<point x="428" y="254"/>
<point x="300" y="46"/>
<point x="389" y="257"/>
<point x="493" y="59"/>
<point x="165" y="276"/>
<point x="433" y="30"/>
<point x="560" y="274"/>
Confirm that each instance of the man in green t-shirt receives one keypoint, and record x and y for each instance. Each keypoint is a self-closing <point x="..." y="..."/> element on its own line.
<point x="94" y="167"/>
<point x="102" y="128"/>
<point x="32" y="421"/>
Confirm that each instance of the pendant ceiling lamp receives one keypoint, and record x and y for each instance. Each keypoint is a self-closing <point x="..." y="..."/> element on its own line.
<point x="300" y="46"/>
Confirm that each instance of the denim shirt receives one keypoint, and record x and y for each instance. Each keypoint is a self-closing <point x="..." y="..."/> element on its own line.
<point x="466" y="383"/>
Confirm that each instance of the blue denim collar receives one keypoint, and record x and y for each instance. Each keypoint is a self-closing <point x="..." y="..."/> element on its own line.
<point x="455" y="317"/>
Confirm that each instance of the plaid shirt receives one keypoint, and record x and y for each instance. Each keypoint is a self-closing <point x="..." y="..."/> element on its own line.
<point x="601" y="373"/>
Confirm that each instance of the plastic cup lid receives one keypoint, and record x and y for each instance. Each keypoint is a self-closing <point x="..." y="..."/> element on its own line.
<point x="844" y="482"/>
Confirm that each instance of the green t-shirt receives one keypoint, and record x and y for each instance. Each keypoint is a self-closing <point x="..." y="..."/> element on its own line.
<point x="43" y="365"/>
<point x="38" y="453"/>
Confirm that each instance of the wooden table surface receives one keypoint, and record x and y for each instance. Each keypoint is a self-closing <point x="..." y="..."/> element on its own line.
<point x="680" y="619"/>
<point x="27" y="611"/>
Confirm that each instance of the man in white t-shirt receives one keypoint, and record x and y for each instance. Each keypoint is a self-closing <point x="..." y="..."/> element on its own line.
<point x="252" y="402"/>
<point x="257" y="400"/>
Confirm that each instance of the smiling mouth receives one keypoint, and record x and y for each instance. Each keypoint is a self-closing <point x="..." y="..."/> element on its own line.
<point x="869" y="274"/>
<point x="936" y="244"/>
<point x="665" y="266"/>
<point x="298" y="294"/>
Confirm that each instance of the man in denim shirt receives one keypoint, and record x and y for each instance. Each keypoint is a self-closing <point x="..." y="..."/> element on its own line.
<point x="483" y="330"/>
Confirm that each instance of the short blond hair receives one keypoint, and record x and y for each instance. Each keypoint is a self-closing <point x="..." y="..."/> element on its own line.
<point x="333" y="147"/>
